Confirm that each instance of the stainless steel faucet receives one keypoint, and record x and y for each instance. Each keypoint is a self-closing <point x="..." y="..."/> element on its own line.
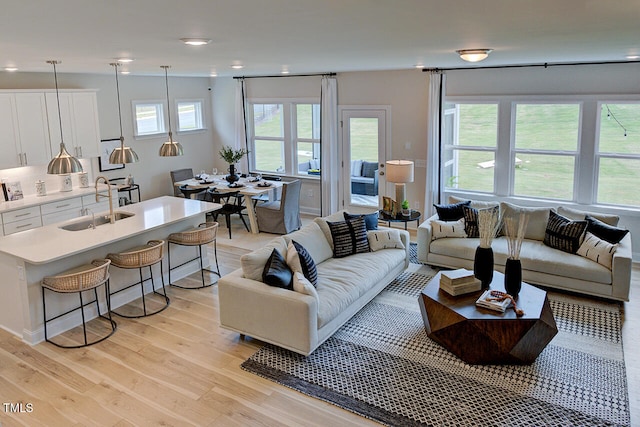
<point x="112" y="218"/>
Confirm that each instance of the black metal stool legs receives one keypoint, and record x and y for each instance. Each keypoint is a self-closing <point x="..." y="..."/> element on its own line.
<point x="145" y="312"/>
<point x="202" y="269"/>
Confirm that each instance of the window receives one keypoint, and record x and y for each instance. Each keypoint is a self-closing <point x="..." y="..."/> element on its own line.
<point x="285" y="137"/>
<point x="545" y="148"/>
<point x="190" y="115"/>
<point x="579" y="149"/>
<point x="149" y="117"/>
<point x="618" y="155"/>
<point x="471" y="138"/>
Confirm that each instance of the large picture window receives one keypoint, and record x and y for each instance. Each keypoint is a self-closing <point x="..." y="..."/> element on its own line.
<point x="577" y="149"/>
<point x="285" y="137"/>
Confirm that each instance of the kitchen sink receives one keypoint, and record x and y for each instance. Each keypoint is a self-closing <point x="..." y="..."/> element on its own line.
<point x="87" y="223"/>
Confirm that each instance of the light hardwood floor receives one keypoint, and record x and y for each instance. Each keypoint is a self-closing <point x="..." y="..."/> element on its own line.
<point x="180" y="368"/>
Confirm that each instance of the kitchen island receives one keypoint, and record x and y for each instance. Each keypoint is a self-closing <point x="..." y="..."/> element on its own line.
<point x="28" y="256"/>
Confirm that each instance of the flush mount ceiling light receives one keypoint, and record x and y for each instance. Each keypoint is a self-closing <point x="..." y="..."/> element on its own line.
<point x="11" y="69"/>
<point x="474" y="55"/>
<point x="192" y="41"/>
<point x="170" y="148"/>
<point x="237" y="66"/>
<point x="122" y="154"/>
<point x="64" y="162"/>
<point x="125" y="60"/>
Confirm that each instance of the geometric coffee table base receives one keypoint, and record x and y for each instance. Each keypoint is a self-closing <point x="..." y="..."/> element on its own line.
<point x="483" y="337"/>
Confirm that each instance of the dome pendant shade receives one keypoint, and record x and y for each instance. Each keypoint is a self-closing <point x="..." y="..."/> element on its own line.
<point x="171" y="148"/>
<point x="63" y="163"/>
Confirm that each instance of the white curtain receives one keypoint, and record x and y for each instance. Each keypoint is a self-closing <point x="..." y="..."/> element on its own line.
<point x="437" y="83"/>
<point x="329" y="145"/>
<point x="240" y="141"/>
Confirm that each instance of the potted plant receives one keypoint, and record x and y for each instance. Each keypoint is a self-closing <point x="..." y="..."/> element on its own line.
<point x="231" y="156"/>
<point x="405" y="208"/>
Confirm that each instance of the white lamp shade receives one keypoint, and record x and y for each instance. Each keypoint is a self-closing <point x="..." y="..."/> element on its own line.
<point x="400" y="171"/>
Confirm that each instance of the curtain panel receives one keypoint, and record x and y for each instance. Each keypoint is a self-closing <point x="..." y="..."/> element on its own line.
<point x="437" y="84"/>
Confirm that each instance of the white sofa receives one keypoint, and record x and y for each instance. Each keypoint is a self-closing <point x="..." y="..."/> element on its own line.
<point x="297" y="321"/>
<point x="541" y="264"/>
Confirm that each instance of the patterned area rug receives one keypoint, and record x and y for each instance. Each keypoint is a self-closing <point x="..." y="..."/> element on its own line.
<point x="382" y="366"/>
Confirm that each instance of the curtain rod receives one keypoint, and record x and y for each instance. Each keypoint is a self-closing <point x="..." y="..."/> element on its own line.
<point x="286" y="75"/>
<point x="544" y="65"/>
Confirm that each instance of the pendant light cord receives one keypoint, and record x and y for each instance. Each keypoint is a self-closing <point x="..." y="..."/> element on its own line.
<point x="166" y="82"/>
<point x="55" y="78"/>
<point x="115" y="65"/>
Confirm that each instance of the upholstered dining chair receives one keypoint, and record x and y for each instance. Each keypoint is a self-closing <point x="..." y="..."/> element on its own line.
<point x="179" y="175"/>
<point x="281" y="216"/>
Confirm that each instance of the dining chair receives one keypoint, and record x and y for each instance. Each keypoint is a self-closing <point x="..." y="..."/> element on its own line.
<point x="179" y="175"/>
<point x="281" y="216"/>
<point x="188" y="192"/>
<point x="231" y="205"/>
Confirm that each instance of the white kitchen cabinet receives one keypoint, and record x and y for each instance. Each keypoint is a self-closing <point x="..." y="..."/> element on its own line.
<point x="24" y="129"/>
<point x="80" y="126"/>
<point x="21" y="219"/>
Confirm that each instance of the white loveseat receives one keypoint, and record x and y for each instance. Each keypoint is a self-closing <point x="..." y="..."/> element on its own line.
<point x="297" y="321"/>
<point x="541" y="264"/>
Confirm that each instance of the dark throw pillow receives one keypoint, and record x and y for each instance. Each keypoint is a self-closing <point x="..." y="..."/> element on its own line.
<point x="370" y="220"/>
<point x="452" y="212"/>
<point x="605" y="231"/>
<point x="564" y="234"/>
<point x="307" y="265"/>
<point x="349" y="237"/>
<point x="276" y="272"/>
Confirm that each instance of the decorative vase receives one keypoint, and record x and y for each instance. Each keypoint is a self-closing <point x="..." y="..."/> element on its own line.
<point x="483" y="265"/>
<point x="512" y="277"/>
<point x="232" y="177"/>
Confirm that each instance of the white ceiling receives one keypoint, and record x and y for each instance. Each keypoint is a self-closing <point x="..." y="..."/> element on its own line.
<point x="308" y="36"/>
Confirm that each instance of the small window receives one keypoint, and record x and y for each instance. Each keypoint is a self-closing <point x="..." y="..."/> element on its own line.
<point x="190" y="116"/>
<point x="149" y="118"/>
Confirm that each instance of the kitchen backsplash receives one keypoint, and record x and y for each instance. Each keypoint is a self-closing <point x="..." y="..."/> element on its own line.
<point x="29" y="175"/>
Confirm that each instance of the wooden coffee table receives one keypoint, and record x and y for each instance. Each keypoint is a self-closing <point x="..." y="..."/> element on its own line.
<point x="486" y="337"/>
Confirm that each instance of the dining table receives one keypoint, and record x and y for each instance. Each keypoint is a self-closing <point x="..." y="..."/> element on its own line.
<point x="248" y="187"/>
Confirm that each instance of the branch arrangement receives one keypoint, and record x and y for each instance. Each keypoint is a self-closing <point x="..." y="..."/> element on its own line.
<point x="487" y="226"/>
<point x="514" y="232"/>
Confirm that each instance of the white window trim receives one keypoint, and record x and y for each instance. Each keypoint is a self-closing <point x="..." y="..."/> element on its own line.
<point x="163" y="118"/>
<point x="289" y="128"/>
<point x="586" y="175"/>
<point x="203" y="115"/>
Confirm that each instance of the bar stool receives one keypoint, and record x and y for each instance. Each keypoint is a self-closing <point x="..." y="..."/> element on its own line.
<point x="78" y="280"/>
<point x="203" y="234"/>
<point x="139" y="257"/>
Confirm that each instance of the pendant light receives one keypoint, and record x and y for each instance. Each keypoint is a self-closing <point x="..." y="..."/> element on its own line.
<point x="121" y="154"/>
<point x="170" y="148"/>
<point x="64" y="162"/>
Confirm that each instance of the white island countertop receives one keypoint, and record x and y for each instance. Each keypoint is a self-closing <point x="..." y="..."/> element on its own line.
<point x="50" y="243"/>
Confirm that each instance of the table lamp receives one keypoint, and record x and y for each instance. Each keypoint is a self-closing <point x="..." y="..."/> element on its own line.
<point x="400" y="172"/>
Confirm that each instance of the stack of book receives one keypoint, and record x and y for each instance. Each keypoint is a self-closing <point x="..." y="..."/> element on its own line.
<point x="486" y="300"/>
<point x="459" y="282"/>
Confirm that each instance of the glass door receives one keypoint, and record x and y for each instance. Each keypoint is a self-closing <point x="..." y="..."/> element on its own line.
<point x="364" y="134"/>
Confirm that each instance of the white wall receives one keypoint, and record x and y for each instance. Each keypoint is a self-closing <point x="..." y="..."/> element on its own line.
<point x="152" y="172"/>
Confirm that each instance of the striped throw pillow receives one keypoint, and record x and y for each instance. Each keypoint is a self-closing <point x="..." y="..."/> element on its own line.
<point x="564" y="234"/>
<point x="299" y="260"/>
<point x="349" y="237"/>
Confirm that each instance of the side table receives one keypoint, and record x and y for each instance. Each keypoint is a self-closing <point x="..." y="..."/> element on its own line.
<point x="389" y="218"/>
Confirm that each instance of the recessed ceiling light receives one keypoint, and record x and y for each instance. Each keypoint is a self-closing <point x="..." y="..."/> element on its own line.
<point x="419" y="66"/>
<point x="11" y="69"/>
<point x="474" y="55"/>
<point x="284" y="71"/>
<point x="237" y="66"/>
<point x="213" y="74"/>
<point x="125" y="60"/>
<point x="193" y="41"/>
<point x="633" y="56"/>
<point x="125" y="72"/>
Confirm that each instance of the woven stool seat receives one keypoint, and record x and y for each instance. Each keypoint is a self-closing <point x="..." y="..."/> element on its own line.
<point x="139" y="257"/>
<point x="203" y="234"/>
<point x="80" y="278"/>
<point x="77" y="280"/>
